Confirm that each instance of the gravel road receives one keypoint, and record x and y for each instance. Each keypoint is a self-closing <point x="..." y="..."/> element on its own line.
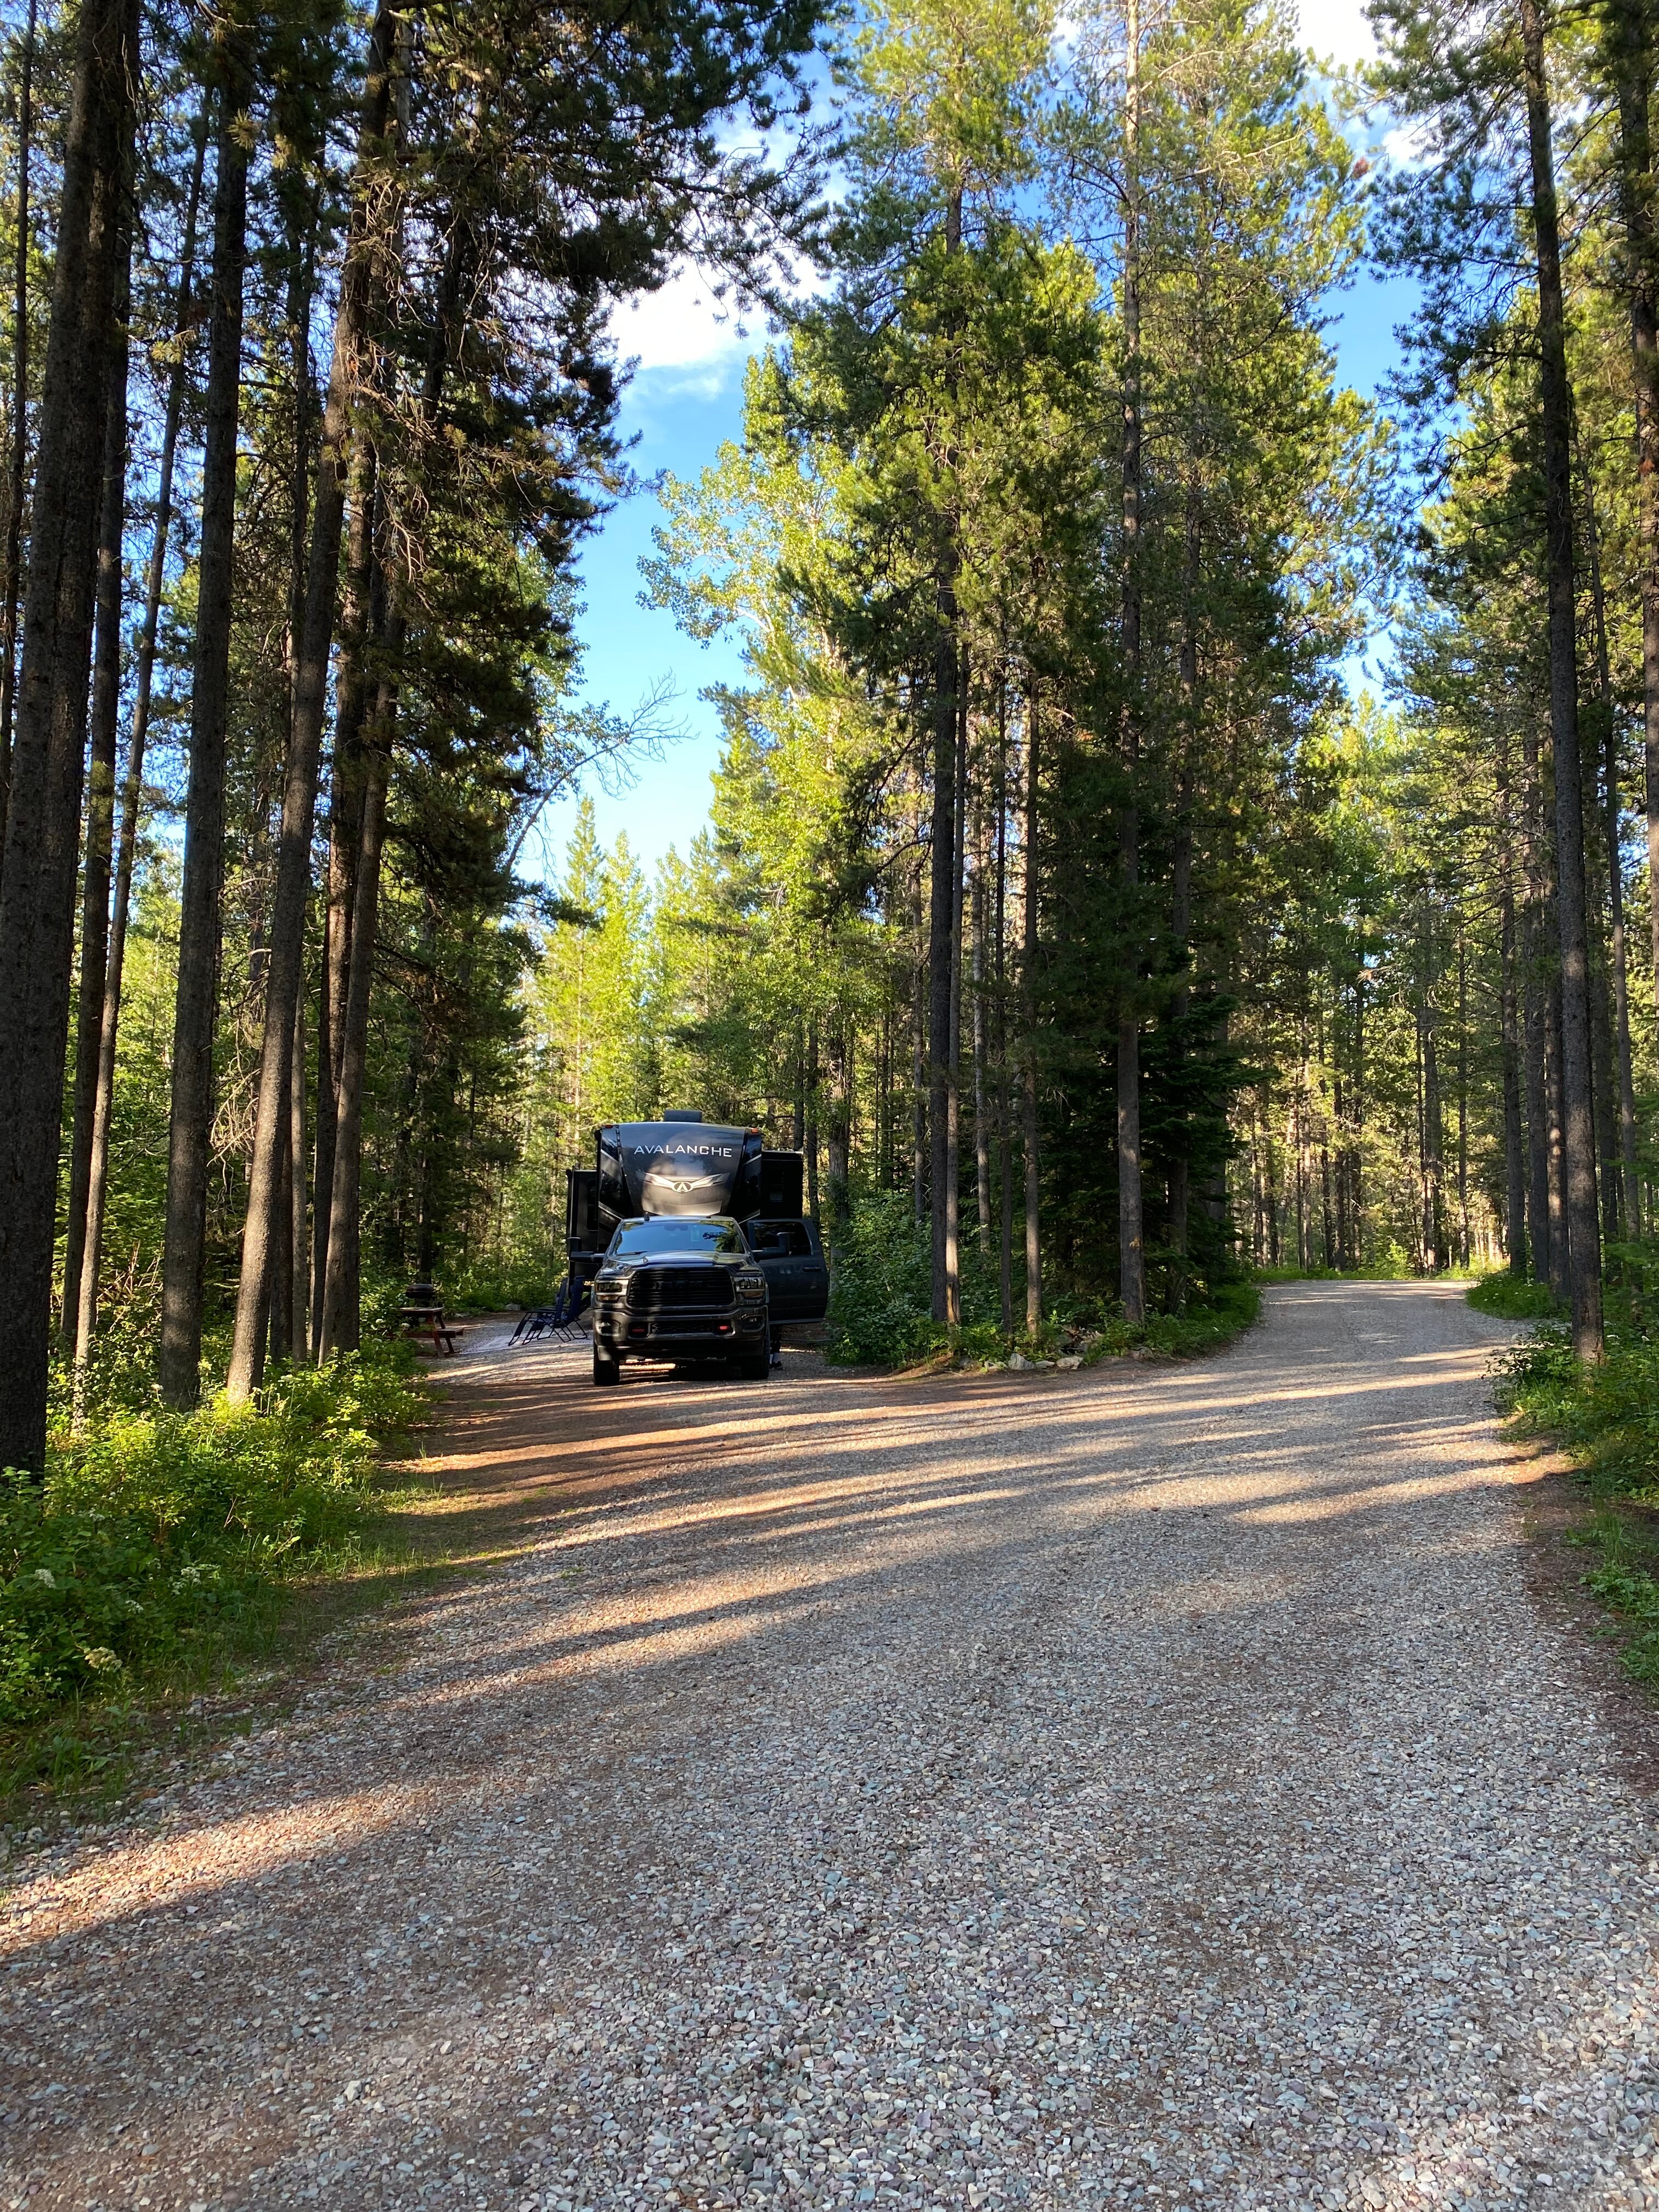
<point x="1154" y="1785"/>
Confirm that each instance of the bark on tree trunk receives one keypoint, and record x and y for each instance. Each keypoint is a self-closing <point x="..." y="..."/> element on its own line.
<point x="1534" y="1002"/>
<point x="43" y="826"/>
<point x="279" y="1342"/>
<point x="1616" y="1094"/>
<point x="1584" y="1228"/>
<point x="1629" y="51"/>
<point x="190" y="1126"/>
<point x="1621" y="994"/>
<point x="1132" y="1256"/>
<point x="1004" y="1098"/>
<point x="813" y="1206"/>
<point x="301" y="290"/>
<point x="978" y="926"/>
<point x="100" y="796"/>
<point x="1560" y="1278"/>
<point x="386" y="620"/>
<point x="86" y="1318"/>
<point x="1029" y="1134"/>
<point x="1515" y="1172"/>
<point x="298" y="1279"/>
<point x="340" y="1326"/>
<point x="1434" y="1137"/>
<point x="1181" y="889"/>
<point x="11" y="571"/>
<point x="953" y="1094"/>
<point x="941" y="889"/>
<point x="345" y="817"/>
<point x="919" y="1075"/>
<point x="305" y="736"/>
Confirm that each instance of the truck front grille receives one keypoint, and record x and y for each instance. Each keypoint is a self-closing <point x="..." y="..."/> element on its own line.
<point x="659" y="1290"/>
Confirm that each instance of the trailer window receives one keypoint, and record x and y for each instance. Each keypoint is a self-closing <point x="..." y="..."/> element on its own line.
<point x="662" y="1235"/>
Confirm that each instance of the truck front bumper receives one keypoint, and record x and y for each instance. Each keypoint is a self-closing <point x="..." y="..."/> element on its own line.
<point x="680" y="1336"/>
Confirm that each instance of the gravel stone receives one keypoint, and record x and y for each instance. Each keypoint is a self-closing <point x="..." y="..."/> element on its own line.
<point x="1147" y="1786"/>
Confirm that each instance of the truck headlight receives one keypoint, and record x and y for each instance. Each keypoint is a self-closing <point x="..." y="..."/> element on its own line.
<point x="750" y="1286"/>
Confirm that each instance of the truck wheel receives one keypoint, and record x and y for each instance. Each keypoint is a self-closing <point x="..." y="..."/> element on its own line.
<point x="606" y="1371"/>
<point x="755" y="1370"/>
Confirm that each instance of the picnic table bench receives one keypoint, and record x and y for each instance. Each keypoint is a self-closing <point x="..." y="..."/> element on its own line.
<point x="428" y="1322"/>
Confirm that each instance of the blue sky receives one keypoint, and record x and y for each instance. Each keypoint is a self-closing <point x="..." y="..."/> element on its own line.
<point x="685" y="400"/>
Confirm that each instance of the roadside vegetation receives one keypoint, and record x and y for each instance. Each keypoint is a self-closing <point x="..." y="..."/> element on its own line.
<point x="1513" y="1297"/>
<point x="880" y="1310"/>
<point x="165" y="1554"/>
<point x="1604" y="1417"/>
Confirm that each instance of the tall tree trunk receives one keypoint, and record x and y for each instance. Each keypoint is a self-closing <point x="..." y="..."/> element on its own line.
<point x="1584" y="1228"/>
<point x="1515" y="1172"/>
<point x="1181" y="873"/>
<point x="301" y="291"/>
<point x="1535" y="996"/>
<point x="1132" y="1254"/>
<point x="1616" y="1094"/>
<point x="340" y="1328"/>
<point x="11" y="568"/>
<point x="1005" y="1102"/>
<point x="1604" y="1092"/>
<point x="1537" y="965"/>
<point x="839" y="1146"/>
<point x="1561" y="1266"/>
<point x="86" y="1317"/>
<point x="341" y="1323"/>
<point x="347" y="797"/>
<point x="977" y="932"/>
<point x="1462" y="1098"/>
<point x="305" y="735"/>
<point x="813" y="1204"/>
<point x="1630" y="51"/>
<point x="1028" y="1133"/>
<point x="953" y="1094"/>
<point x="1621" y="992"/>
<point x="942" y="878"/>
<point x="197" y="1003"/>
<point x="298" y="1280"/>
<point x="42" y="825"/>
<point x="919" y="1086"/>
<point x="1434" y="1132"/>
<point x="100" y="793"/>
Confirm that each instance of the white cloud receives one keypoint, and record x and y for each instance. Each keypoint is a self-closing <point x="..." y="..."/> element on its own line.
<point x="683" y="332"/>
<point x="1336" y="30"/>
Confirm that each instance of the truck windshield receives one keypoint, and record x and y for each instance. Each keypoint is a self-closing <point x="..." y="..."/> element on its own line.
<point x="672" y="1236"/>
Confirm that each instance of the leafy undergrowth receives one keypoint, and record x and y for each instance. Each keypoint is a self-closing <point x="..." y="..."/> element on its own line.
<point x="164" y="1550"/>
<point x="1623" y="1581"/>
<point x="1605" y="1416"/>
<point x="487" y="1288"/>
<point x="1512" y="1298"/>
<point x="1607" y="1420"/>
<point x="879" y="1312"/>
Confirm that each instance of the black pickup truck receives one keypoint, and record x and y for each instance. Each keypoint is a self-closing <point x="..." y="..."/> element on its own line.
<point x="686" y="1290"/>
<point x="655" y="1188"/>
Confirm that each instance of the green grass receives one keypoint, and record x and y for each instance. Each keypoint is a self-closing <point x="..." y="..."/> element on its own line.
<point x="1512" y="1298"/>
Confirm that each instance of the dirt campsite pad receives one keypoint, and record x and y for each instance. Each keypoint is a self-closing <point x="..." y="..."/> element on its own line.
<point x="1154" y="1785"/>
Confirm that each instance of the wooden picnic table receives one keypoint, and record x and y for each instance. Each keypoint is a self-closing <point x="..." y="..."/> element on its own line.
<point x="429" y="1322"/>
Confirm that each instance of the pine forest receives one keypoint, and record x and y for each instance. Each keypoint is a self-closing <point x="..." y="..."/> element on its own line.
<point x="1180" y="818"/>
